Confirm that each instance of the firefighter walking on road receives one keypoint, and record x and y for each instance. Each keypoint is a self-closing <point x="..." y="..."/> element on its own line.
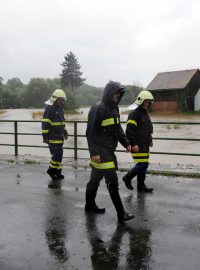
<point x="139" y="132"/>
<point x="103" y="133"/>
<point x="54" y="132"/>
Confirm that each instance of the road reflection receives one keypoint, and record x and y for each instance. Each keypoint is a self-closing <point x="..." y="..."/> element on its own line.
<point x="128" y="247"/>
<point x="56" y="224"/>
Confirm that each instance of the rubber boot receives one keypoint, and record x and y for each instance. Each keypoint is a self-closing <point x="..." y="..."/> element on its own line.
<point x="121" y="213"/>
<point x="141" y="187"/>
<point x="128" y="177"/>
<point x="90" y="206"/>
<point x="52" y="173"/>
<point x="59" y="174"/>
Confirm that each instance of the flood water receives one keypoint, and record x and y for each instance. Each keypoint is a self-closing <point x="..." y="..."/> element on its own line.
<point x="160" y="130"/>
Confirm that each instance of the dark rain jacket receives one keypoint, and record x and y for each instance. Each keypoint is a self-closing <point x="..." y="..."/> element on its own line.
<point x="139" y="129"/>
<point x="104" y="129"/>
<point x="53" y="124"/>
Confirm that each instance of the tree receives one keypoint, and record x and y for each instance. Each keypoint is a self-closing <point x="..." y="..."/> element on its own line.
<point x="14" y="84"/>
<point x="9" y="100"/>
<point x="37" y="93"/>
<point x="88" y="95"/>
<point x="130" y="94"/>
<point x="70" y="104"/>
<point x="71" y="74"/>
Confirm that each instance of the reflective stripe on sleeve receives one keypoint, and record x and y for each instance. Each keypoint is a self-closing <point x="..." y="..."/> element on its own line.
<point x="109" y="121"/>
<point x="45" y="131"/>
<point x="53" y="123"/>
<point x="133" y="122"/>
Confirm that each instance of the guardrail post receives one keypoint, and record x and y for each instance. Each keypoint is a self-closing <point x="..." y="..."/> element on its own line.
<point x="75" y="141"/>
<point x="16" y="138"/>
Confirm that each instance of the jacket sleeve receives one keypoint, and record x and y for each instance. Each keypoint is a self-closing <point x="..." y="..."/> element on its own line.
<point x="131" y="128"/>
<point x="93" y="132"/>
<point x="122" y="138"/>
<point x="151" y="130"/>
<point x="46" y="123"/>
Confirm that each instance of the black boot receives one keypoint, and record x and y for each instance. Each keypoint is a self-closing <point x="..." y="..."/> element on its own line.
<point x="94" y="209"/>
<point x="52" y="173"/>
<point x="90" y="206"/>
<point x="59" y="174"/>
<point x="121" y="213"/>
<point x="127" y="182"/>
<point x="141" y="187"/>
<point x="128" y="177"/>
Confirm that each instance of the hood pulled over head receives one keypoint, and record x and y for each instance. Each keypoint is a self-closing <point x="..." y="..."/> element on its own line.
<point x="110" y="89"/>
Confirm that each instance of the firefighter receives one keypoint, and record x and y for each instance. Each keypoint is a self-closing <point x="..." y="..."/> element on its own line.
<point x="54" y="132"/>
<point x="139" y="132"/>
<point x="103" y="133"/>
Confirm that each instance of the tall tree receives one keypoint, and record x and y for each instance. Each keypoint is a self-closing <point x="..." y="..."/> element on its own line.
<point x="71" y="74"/>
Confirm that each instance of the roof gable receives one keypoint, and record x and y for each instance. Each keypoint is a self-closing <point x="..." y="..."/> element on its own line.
<point x="172" y="80"/>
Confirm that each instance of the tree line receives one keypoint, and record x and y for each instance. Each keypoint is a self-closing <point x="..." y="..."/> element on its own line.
<point x="15" y="94"/>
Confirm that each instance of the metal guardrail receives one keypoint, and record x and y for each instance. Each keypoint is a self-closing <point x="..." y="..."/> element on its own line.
<point x="75" y="134"/>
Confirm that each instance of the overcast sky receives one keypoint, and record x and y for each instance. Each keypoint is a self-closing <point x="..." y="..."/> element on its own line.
<point x="124" y="40"/>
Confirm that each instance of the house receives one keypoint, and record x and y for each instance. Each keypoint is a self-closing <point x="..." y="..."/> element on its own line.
<point x="176" y="91"/>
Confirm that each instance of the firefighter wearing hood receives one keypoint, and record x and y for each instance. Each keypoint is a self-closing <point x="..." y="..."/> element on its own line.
<point x="54" y="132"/>
<point x="103" y="134"/>
<point x="139" y="132"/>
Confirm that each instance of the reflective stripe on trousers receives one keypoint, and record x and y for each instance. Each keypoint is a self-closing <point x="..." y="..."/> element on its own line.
<point x="140" y="157"/>
<point x="56" y="151"/>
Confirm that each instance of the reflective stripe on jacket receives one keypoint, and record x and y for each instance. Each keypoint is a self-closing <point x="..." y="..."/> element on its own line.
<point x="104" y="130"/>
<point x="103" y="165"/>
<point x="139" y="132"/>
<point x="53" y="124"/>
<point x="139" y="129"/>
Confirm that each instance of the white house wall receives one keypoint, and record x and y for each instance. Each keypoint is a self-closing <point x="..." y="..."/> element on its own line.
<point x="197" y="101"/>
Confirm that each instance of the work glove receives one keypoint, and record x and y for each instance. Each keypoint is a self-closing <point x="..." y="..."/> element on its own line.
<point x="45" y="140"/>
<point x="65" y="134"/>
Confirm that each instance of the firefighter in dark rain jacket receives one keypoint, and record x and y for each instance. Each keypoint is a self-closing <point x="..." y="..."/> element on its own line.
<point x="103" y="133"/>
<point x="54" y="132"/>
<point x="139" y="132"/>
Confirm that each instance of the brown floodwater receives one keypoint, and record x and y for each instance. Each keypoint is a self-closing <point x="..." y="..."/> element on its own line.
<point x="160" y="130"/>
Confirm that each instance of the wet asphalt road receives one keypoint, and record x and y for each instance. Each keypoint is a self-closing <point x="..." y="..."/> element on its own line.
<point x="47" y="228"/>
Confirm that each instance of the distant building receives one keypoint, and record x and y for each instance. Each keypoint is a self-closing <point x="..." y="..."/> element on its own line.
<point x="176" y="91"/>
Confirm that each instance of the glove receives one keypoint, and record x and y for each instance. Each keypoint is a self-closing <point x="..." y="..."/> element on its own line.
<point x="45" y="140"/>
<point x="65" y="134"/>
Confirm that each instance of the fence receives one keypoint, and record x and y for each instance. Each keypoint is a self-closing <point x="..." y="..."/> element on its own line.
<point x="75" y="135"/>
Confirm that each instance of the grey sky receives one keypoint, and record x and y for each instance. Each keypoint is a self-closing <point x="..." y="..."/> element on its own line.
<point x="125" y="40"/>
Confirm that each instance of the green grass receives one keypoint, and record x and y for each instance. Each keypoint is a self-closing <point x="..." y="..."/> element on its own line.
<point x="30" y="162"/>
<point x="10" y="160"/>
